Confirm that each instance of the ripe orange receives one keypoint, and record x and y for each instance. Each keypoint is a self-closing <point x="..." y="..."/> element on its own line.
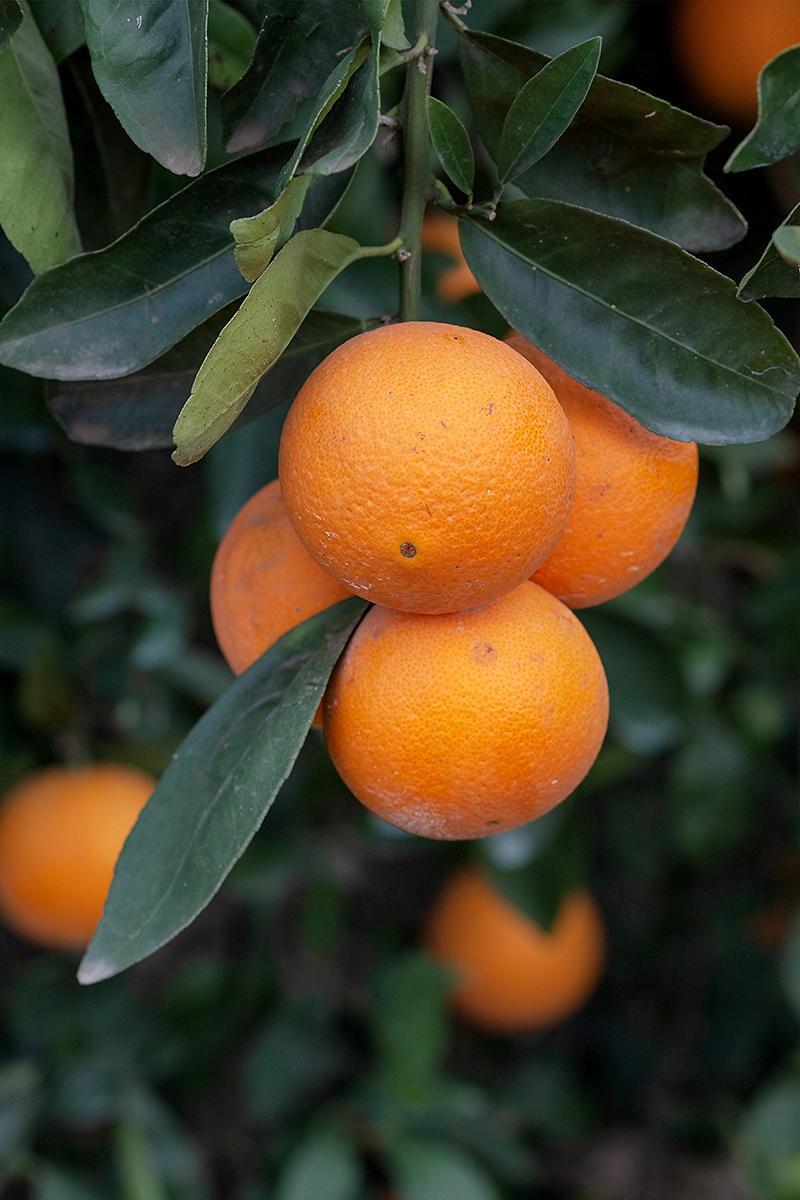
<point x="514" y="976"/>
<point x="633" y="494"/>
<point x="721" y="45"/>
<point x="61" y="831"/>
<point x="465" y="724"/>
<point x="427" y="467"/>
<point x="440" y="235"/>
<point x="263" y="581"/>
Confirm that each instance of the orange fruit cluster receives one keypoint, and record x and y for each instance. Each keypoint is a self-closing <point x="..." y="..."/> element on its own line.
<point x="475" y="494"/>
<point x="61" y="831"/>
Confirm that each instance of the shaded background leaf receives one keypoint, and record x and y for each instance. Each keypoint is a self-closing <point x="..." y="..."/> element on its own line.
<point x="299" y="44"/>
<point x="773" y="275"/>
<point x="60" y="23"/>
<point x="152" y="68"/>
<point x="231" y="43"/>
<point x="10" y="20"/>
<point x="452" y="145"/>
<point x="614" y="306"/>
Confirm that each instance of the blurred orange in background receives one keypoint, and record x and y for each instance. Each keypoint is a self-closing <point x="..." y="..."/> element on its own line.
<point x="721" y="45"/>
<point x="440" y="235"/>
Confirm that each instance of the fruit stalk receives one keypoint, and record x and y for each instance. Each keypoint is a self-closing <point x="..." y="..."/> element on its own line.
<point x="417" y="160"/>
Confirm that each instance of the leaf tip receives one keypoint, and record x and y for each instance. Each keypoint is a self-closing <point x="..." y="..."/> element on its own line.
<point x="95" y="970"/>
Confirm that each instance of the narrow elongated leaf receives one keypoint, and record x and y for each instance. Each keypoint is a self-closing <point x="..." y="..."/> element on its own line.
<point x="773" y="275"/>
<point x="113" y="311"/>
<point x="544" y="107"/>
<point x="151" y="65"/>
<point x="36" y="180"/>
<point x="325" y="1166"/>
<point x="10" y="21"/>
<point x="452" y="145"/>
<point x="257" y="335"/>
<point x="637" y="319"/>
<point x="429" y="1169"/>
<point x="139" y="411"/>
<point x="625" y="153"/>
<point x="299" y="45"/>
<point x="215" y="793"/>
<point x="776" y="133"/>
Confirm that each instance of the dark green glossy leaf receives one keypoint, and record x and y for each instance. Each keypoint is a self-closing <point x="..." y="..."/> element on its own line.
<point x="773" y="275"/>
<point x="429" y="1169"/>
<point x="215" y="793"/>
<point x="139" y="411"/>
<point x="617" y="308"/>
<point x="231" y="44"/>
<point x="36" y="180"/>
<point x="776" y="133"/>
<point x="646" y="700"/>
<point x="452" y="145"/>
<point x="343" y="131"/>
<point x="60" y="24"/>
<point x="257" y="335"/>
<point x="111" y="312"/>
<point x="10" y="21"/>
<point x="535" y="866"/>
<point x="625" y="153"/>
<point x="325" y="1166"/>
<point x="151" y="66"/>
<point x="544" y="107"/>
<point x="299" y="45"/>
<point x="411" y="1026"/>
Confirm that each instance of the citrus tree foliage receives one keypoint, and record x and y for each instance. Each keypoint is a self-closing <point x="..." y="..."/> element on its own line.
<point x="586" y="258"/>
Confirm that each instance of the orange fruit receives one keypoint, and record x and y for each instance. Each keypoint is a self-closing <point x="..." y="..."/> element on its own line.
<point x="633" y="494"/>
<point x="263" y="581"/>
<point x="440" y="235"/>
<point x="61" y="831"/>
<point x="427" y="467"/>
<point x="465" y="724"/>
<point x="721" y="45"/>
<point x="512" y="975"/>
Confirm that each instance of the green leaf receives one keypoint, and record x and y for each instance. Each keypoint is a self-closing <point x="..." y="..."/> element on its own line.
<point x="325" y="1166"/>
<point x="776" y="133"/>
<point x="215" y="793"/>
<point x="299" y="45"/>
<point x="231" y="44"/>
<point x="10" y="21"/>
<point x="393" y="32"/>
<point x="294" y="1060"/>
<point x="139" y="411"/>
<point x="257" y="237"/>
<point x="616" y="307"/>
<point x="626" y="153"/>
<point x="452" y="145"/>
<point x="111" y="312"/>
<point x="151" y="65"/>
<point x="257" y="335"/>
<point x="773" y="275"/>
<point x="36" y="181"/>
<point x="535" y="866"/>
<point x="411" y="1027"/>
<point x="345" y="124"/>
<point x="786" y="241"/>
<point x="429" y="1169"/>
<point x="544" y="107"/>
<point x="60" y="24"/>
<point x="767" y="1140"/>
<point x="646" y="700"/>
<point x="712" y="797"/>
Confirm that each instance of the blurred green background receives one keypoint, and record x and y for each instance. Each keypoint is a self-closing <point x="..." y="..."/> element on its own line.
<point x="294" y="1042"/>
